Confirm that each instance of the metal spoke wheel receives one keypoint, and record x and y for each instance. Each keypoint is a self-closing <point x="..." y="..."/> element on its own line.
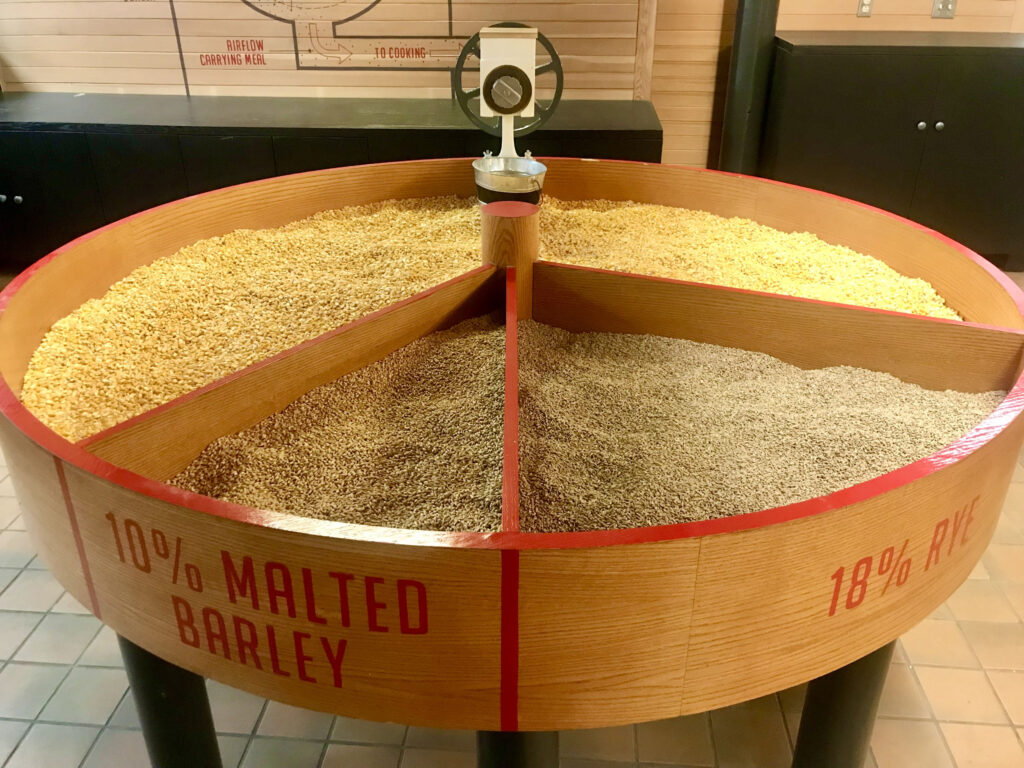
<point x="469" y="98"/>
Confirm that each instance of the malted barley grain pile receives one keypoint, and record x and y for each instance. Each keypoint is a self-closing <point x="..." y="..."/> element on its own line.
<point x="412" y="441"/>
<point x="621" y="431"/>
<point x="227" y="302"/>
<point x="223" y="303"/>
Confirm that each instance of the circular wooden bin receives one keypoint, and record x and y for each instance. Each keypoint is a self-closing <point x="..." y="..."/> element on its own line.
<point x="514" y="630"/>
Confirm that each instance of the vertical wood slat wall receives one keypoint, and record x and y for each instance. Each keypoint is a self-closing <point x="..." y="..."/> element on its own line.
<point x="671" y="51"/>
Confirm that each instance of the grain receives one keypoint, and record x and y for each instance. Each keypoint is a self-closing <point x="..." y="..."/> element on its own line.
<point x="226" y="302"/>
<point x="412" y="441"/>
<point x="622" y="431"/>
<point x="699" y="246"/>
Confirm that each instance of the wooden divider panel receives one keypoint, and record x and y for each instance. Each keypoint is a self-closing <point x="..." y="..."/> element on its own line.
<point x="510" y="469"/>
<point x="936" y="354"/>
<point x="163" y="441"/>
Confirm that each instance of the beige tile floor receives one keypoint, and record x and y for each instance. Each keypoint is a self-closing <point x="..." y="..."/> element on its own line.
<point x="954" y="697"/>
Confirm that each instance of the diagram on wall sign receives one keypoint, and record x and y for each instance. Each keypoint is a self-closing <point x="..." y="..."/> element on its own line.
<point x="321" y="29"/>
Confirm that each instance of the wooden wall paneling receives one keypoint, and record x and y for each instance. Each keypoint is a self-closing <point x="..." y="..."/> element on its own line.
<point x="911" y="23"/>
<point x="935" y="354"/>
<point x="163" y="441"/>
<point x="689" y="76"/>
<point x="646" y="23"/>
<point x="895" y="8"/>
<point x="597" y="40"/>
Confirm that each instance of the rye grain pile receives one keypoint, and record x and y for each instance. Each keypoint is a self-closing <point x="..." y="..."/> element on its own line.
<point x="412" y="441"/>
<point x="621" y="431"/>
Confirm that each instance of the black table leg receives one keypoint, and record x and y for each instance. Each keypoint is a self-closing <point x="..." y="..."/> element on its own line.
<point x="512" y="749"/>
<point x="174" y="710"/>
<point x="839" y="713"/>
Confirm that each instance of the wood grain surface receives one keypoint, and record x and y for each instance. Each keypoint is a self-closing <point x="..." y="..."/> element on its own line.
<point x="510" y="630"/>
<point x="510" y="237"/>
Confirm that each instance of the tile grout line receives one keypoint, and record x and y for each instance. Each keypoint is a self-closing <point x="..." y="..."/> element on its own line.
<point x="326" y="742"/>
<point x="18" y="647"/>
<point x="106" y="725"/>
<point x="401" y="748"/>
<point x="984" y="669"/>
<point x="56" y="688"/>
<point x="252" y="734"/>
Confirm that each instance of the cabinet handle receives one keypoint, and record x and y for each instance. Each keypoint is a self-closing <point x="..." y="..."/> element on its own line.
<point x="922" y="125"/>
<point x="940" y="125"/>
<point x="18" y="199"/>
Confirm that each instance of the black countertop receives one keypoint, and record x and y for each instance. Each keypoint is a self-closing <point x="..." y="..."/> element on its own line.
<point x="913" y="42"/>
<point x="93" y="111"/>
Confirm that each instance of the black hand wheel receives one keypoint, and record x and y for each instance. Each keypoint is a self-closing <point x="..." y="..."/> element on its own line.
<point x="542" y="112"/>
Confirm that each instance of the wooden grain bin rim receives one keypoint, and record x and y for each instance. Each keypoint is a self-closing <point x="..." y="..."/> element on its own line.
<point x="1009" y="410"/>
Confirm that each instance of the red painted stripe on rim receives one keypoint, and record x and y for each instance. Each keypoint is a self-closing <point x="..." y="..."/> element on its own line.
<point x="77" y="533"/>
<point x="510" y="456"/>
<point x="510" y="640"/>
<point x="991" y="427"/>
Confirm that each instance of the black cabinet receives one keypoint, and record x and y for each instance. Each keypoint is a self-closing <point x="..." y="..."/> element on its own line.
<point x="926" y="126"/>
<point x="135" y="171"/>
<point x="212" y="162"/>
<point x="49" y="193"/>
<point x="79" y="161"/>
<point x="971" y="182"/>
<point x="295" y="154"/>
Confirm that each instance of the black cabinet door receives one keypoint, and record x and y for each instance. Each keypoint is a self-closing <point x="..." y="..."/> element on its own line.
<point x="847" y="123"/>
<point x="971" y="184"/>
<point x="295" y="154"/>
<point x="136" y="171"/>
<point x="212" y="162"/>
<point x="53" y="176"/>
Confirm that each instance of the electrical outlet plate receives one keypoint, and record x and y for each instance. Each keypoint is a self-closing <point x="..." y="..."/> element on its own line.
<point x="943" y="9"/>
<point x="864" y="7"/>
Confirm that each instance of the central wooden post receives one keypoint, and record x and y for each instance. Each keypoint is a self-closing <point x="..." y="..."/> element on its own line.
<point x="510" y="232"/>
